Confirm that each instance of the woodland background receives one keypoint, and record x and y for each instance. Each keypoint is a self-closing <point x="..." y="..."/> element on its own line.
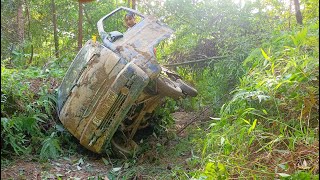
<point x="255" y="64"/>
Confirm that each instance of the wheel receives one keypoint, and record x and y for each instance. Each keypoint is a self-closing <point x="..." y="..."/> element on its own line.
<point x="121" y="148"/>
<point x="186" y="88"/>
<point x="169" y="88"/>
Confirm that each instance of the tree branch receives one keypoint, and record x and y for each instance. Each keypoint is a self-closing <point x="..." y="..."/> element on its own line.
<point x="195" y="61"/>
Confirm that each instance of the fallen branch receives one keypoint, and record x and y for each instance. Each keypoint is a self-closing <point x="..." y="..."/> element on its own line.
<point x="195" y="61"/>
<point x="195" y="118"/>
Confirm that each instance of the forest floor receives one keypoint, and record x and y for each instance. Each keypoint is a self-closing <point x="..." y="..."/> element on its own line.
<point x="162" y="158"/>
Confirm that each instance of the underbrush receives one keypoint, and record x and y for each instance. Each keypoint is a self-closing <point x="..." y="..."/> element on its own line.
<point x="212" y="83"/>
<point x="270" y="128"/>
<point x="29" y="123"/>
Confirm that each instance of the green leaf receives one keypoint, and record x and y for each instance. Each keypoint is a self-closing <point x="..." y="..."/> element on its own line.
<point x="58" y="175"/>
<point x="262" y="97"/>
<point x="251" y="140"/>
<point x="106" y="162"/>
<point x="283" y="175"/>
<point x="252" y="126"/>
<point x="126" y="165"/>
<point x="222" y="141"/>
<point x="221" y="167"/>
<point x="264" y="54"/>
<point x="210" y="169"/>
<point x="283" y="166"/>
<point x="272" y="68"/>
<point x="80" y="162"/>
<point x="211" y="125"/>
<point x="227" y="148"/>
<point x="116" y="169"/>
<point x="278" y="85"/>
<point x="246" y="121"/>
<point x="59" y="128"/>
<point x="264" y="111"/>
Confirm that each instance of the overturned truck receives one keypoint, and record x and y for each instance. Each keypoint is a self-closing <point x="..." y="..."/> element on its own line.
<point x="108" y="94"/>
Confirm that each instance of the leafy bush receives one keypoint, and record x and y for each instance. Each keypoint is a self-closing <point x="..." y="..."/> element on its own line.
<point x="12" y="138"/>
<point x="27" y="110"/>
<point x="50" y="147"/>
<point x="162" y="117"/>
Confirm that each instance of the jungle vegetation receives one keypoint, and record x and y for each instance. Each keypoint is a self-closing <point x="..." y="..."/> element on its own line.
<point x="262" y="90"/>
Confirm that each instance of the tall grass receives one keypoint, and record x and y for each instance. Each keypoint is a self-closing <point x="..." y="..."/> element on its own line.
<point x="270" y="127"/>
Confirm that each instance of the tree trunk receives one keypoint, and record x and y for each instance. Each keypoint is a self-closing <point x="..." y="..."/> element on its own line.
<point x="298" y="12"/>
<point x="88" y="17"/>
<point x="80" y="26"/>
<point x="29" y="33"/>
<point x="55" y="29"/>
<point x="290" y="6"/>
<point x="134" y="5"/>
<point x="20" y="23"/>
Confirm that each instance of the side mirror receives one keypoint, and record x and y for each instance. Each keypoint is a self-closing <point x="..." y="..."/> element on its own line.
<point x="111" y="37"/>
<point x="114" y="35"/>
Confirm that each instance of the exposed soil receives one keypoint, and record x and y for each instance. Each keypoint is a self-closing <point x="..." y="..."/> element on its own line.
<point x="85" y="165"/>
<point x="66" y="168"/>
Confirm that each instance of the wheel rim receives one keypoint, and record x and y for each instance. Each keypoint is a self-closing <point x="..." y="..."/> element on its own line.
<point x="169" y="88"/>
<point x="186" y="88"/>
<point x="122" y="149"/>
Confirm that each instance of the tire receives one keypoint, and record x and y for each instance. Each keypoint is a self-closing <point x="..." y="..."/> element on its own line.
<point x="122" y="149"/>
<point x="186" y="88"/>
<point x="169" y="88"/>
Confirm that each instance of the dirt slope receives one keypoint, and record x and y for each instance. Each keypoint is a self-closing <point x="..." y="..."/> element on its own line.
<point x="86" y="165"/>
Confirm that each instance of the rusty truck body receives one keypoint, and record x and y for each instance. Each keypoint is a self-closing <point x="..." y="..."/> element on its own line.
<point x="107" y="95"/>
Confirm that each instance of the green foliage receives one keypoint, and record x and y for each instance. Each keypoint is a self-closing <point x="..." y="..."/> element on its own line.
<point x="12" y="138"/>
<point x="288" y="76"/>
<point x="211" y="28"/>
<point x="10" y="82"/>
<point x="38" y="41"/>
<point x="300" y="175"/>
<point x="213" y="84"/>
<point x="162" y="115"/>
<point x="50" y="147"/>
<point x="27" y="91"/>
<point x="27" y="110"/>
<point x="274" y="106"/>
<point x="215" y="171"/>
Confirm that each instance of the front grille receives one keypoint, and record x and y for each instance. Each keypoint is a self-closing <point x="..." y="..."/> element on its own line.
<point x="112" y="112"/>
<point x="108" y="125"/>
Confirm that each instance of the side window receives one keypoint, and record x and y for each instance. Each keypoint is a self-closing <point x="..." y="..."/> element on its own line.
<point x="116" y="22"/>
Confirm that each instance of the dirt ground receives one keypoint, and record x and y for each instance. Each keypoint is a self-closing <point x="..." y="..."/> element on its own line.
<point x="91" y="166"/>
<point x="65" y="168"/>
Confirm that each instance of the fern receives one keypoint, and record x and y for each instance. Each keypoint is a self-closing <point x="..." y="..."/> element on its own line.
<point x="12" y="138"/>
<point x="50" y="147"/>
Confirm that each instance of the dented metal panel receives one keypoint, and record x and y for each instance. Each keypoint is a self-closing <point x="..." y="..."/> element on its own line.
<point x="101" y="94"/>
<point x="126" y="89"/>
<point x="138" y="44"/>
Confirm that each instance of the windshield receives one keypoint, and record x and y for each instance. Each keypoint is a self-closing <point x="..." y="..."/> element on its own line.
<point x="116" y="22"/>
<point x="73" y="73"/>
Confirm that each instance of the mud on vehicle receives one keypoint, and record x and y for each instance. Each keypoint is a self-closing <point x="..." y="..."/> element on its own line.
<point x="108" y="94"/>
